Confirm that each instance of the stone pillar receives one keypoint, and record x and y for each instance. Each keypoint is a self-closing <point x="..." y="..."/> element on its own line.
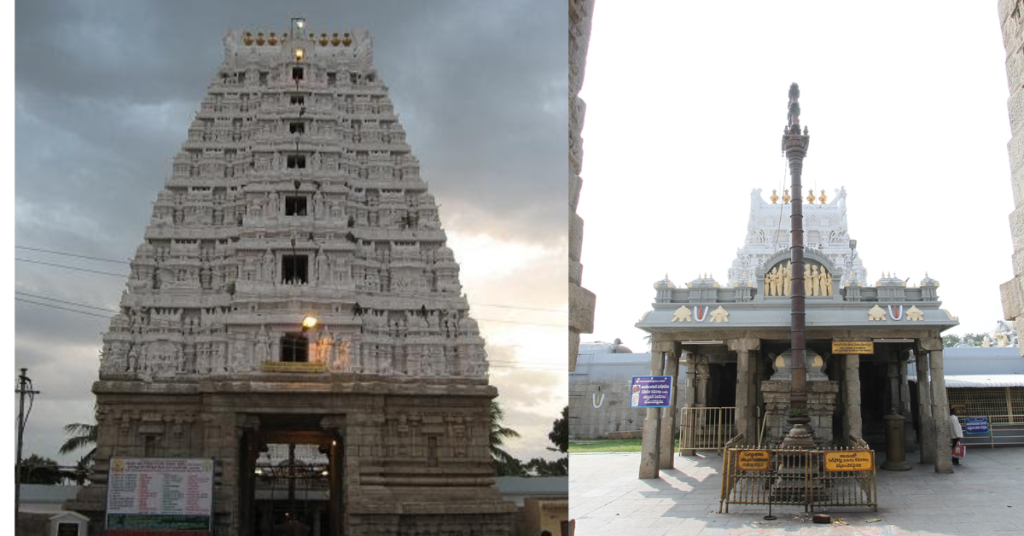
<point x="703" y="376"/>
<point x="894" y="384"/>
<point x="581" y="300"/>
<point x="691" y="395"/>
<point x="924" y="409"/>
<point x="652" y="424"/>
<point x="908" y="415"/>
<point x="940" y="406"/>
<point x="746" y="418"/>
<point x="852" y="423"/>
<point x="668" y="415"/>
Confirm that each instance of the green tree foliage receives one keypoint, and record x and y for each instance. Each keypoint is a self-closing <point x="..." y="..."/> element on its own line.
<point x="81" y="436"/>
<point x="505" y="464"/>
<point x="38" y="470"/>
<point x="560" y="437"/>
<point x="974" y="339"/>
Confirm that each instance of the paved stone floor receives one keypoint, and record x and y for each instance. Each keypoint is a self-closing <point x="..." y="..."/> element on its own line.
<point x="984" y="496"/>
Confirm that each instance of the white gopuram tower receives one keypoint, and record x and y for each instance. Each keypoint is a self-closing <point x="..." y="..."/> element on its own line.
<point x="768" y="234"/>
<point x="294" y="289"/>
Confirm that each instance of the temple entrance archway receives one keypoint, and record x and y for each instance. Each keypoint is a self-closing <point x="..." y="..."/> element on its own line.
<point x="291" y="478"/>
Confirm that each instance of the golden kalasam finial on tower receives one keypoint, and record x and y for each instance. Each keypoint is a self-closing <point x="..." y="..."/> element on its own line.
<point x="247" y="38"/>
<point x="810" y="198"/>
<point x="823" y="198"/>
<point x="346" y="39"/>
<point x="259" y="39"/>
<point x="323" y="40"/>
<point x="273" y="39"/>
<point x="785" y="196"/>
<point x="335" y="40"/>
<point x="774" y="197"/>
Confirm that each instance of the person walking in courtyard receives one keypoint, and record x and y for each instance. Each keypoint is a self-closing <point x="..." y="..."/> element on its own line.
<point x="955" y="432"/>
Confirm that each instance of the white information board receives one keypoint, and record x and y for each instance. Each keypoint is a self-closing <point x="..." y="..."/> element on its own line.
<point x="159" y="494"/>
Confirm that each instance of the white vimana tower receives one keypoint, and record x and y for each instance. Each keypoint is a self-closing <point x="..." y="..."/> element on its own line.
<point x="294" y="293"/>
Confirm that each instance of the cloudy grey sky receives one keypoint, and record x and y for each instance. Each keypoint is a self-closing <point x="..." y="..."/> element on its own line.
<point x="906" y="106"/>
<point x="105" y="92"/>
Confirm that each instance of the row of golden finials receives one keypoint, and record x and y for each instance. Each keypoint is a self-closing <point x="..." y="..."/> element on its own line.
<point x="334" y="40"/>
<point x="786" y="197"/>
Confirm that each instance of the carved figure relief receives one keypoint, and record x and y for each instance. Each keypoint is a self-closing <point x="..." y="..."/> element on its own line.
<point x="914" y="314"/>
<point x="682" y="314"/>
<point x="719" y="315"/>
<point x="876" y="313"/>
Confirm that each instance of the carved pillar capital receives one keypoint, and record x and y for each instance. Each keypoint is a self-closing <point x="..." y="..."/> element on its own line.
<point x="928" y="344"/>
<point x="745" y="344"/>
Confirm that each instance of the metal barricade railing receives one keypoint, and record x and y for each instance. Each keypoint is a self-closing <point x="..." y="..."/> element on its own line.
<point x="1003" y="430"/>
<point x="811" y="478"/>
<point x="705" y="428"/>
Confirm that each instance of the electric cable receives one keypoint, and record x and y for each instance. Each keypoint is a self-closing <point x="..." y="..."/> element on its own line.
<point x="71" y="267"/>
<point x="55" y="252"/>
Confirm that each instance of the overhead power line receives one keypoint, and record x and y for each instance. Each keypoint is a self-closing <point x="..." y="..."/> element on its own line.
<point x="518" y="307"/>
<point x="37" y="296"/>
<point x="66" y="267"/>
<point x="66" y="254"/>
<point x="62" y="308"/>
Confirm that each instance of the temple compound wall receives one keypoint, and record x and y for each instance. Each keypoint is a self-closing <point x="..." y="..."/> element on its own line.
<point x="734" y="340"/>
<point x="581" y="300"/>
<point x="1010" y="18"/>
<point x="294" y="289"/>
<point x="599" y="392"/>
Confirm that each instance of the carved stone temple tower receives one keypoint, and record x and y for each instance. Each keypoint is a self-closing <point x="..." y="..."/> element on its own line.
<point x="296" y="197"/>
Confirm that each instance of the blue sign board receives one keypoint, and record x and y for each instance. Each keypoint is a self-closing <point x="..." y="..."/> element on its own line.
<point x="650" y="392"/>
<point x="976" y="425"/>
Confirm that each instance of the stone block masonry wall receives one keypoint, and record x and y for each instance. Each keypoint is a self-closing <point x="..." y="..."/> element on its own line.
<point x="581" y="300"/>
<point x="1010" y="17"/>
<point x="821" y="405"/>
<point x="614" y="415"/>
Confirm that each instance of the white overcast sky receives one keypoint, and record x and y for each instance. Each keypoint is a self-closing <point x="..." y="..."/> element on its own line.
<point x="686" y="102"/>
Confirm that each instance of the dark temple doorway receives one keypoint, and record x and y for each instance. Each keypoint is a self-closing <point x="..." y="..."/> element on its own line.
<point x="291" y="482"/>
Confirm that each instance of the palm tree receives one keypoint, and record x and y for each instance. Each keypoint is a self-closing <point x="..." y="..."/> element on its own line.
<point x="82" y="435"/>
<point x="504" y="463"/>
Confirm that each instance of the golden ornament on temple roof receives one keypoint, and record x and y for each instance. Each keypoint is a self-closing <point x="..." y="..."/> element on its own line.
<point x="823" y="198"/>
<point x="786" y="197"/>
<point x="323" y="40"/>
<point x="346" y="39"/>
<point x="273" y="39"/>
<point x="774" y="197"/>
<point x="810" y="198"/>
<point x="259" y="39"/>
<point x="247" y="38"/>
<point x="335" y="40"/>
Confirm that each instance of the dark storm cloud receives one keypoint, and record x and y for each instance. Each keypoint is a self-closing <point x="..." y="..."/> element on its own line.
<point x="480" y="87"/>
<point x="105" y="92"/>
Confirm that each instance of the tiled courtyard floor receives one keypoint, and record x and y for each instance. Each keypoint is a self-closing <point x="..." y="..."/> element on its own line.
<point x="984" y="496"/>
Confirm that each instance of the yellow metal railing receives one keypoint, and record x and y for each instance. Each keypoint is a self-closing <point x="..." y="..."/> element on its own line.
<point x="811" y="478"/>
<point x="705" y="428"/>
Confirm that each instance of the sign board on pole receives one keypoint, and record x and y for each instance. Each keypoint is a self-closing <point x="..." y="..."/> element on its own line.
<point x="753" y="460"/>
<point x="849" y="460"/>
<point x="159" y="497"/>
<point x="650" y="392"/>
<point x="976" y="425"/>
<point x="853" y="347"/>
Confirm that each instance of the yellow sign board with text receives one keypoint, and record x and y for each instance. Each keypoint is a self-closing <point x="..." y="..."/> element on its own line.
<point x="753" y="460"/>
<point x="849" y="460"/>
<point x="853" y="347"/>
